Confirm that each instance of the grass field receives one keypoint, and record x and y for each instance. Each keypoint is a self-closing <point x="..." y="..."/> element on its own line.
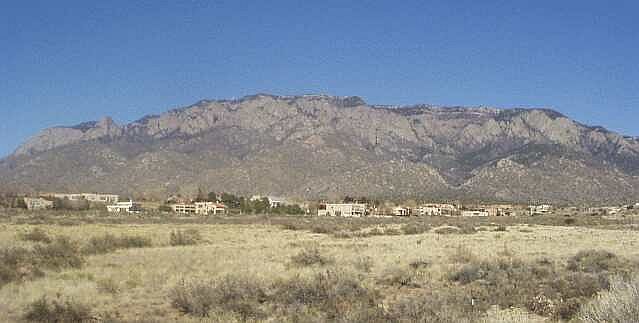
<point x="313" y="270"/>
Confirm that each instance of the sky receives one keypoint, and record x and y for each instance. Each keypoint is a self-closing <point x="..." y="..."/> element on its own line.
<point x="66" y="62"/>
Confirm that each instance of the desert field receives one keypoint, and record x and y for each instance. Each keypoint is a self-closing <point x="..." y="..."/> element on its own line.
<point x="303" y="269"/>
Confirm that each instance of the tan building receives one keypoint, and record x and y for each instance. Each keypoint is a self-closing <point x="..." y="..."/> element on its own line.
<point x="125" y="207"/>
<point x="343" y="209"/>
<point x="37" y="203"/>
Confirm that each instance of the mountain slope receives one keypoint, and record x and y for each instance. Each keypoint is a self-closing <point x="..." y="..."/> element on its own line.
<point x="326" y="147"/>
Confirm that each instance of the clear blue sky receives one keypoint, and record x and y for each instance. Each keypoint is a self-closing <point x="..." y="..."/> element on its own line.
<point x="64" y="62"/>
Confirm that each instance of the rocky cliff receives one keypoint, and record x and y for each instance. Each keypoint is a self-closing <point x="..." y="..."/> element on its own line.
<point x="327" y="147"/>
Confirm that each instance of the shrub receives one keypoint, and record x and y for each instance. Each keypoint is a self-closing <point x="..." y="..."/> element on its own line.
<point x="310" y="257"/>
<point x="196" y="299"/>
<point x="337" y="296"/>
<point x="436" y="305"/>
<point x="364" y="264"/>
<point x="36" y="235"/>
<point x="399" y="276"/>
<point x="419" y="264"/>
<point x="56" y="311"/>
<point x="185" y="237"/>
<point x="60" y="253"/>
<point x="619" y="305"/>
<point x="461" y="229"/>
<point x="501" y="228"/>
<point x="594" y="261"/>
<point x="228" y="294"/>
<point x="463" y="255"/>
<point x="415" y="228"/>
<point x="109" y="243"/>
<point x="541" y="287"/>
<point x="108" y="285"/>
<point x="17" y="264"/>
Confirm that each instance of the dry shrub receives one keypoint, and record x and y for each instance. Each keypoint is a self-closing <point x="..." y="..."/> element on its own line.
<point x="399" y="276"/>
<point x="594" y="261"/>
<point x="363" y="264"/>
<point x="326" y="296"/>
<point x="108" y="285"/>
<point x="618" y="305"/>
<point x="60" y="253"/>
<point x="185" y="237"/>
<point x="17" y="264"/>
<point x="309" y="257"/>
<point x="436" y="305"/>
<point x="36" y="235"/>
<point x="501" y="228"/>
<point x="419" y="264"/>
<point x="335" y="296"/>
<point x="109" y="243"/>
<point x="57" y="311"/>
<point x="447" y="230"/>
<point x="415" y="228"/>
<point x="462" y="255"/>
<point x="228" y="294"/>
<point x="541" y="287"/>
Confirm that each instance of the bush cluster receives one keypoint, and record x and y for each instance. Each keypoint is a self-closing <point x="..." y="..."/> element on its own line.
<point x="542" y="287"/>
<point x="109" y="243"/>
<point x="310" y="257"/>
<point x="43" y="310"/>
<point x="185" y="237"/>
<point x="326" y="296"/>
<point x="36" y="235"/>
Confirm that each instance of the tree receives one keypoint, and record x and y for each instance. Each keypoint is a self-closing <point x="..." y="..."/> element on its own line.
<point x="200" y="195"/>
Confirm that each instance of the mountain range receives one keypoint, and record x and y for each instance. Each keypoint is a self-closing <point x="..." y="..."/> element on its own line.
<point x="327" y="147"/>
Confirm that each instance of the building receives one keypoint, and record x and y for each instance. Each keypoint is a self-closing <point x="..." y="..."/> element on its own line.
<point x="434" y="209"/>
<point x="125" y="207"/>
<point x="401" y="211"/>
<point x="201" y="208"/>
<point x="37" y="203"/>
<point x="183" y="208"/>
<point x="471" y="213"/>
<point x="499" y="209"/>
<point x="343" y="209"/>
<point x="206" y="208"/>
<point x="540" y="209"/>
<point x="273" y="201"/>
<point x="91" y="197"/>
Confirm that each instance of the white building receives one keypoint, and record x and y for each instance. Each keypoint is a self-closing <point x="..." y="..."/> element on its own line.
<point x="273" y="201"/>
<point x="540" y="209"/>
<point x="125" y="207"/>
<point x="436" y="210"/>
<point x="401" y="211"/>
<point x="201" y="208"/>
<point x="474" y="213"/>
<point x="343" y="209"/>
<point x="91" y="197"/>
<point x="206" y="208"/>
<point x="37" y="203"/>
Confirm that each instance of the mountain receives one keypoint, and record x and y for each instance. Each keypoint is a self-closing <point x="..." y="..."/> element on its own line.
<point x="319" y="146"/>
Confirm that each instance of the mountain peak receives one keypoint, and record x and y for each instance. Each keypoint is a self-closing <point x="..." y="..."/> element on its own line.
<point x="321" y="145"/>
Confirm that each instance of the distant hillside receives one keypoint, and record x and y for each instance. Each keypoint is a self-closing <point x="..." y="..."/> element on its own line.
<point x="327" y="147"/>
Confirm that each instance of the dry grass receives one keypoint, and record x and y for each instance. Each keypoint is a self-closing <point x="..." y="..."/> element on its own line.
<point x="400" y="273"/>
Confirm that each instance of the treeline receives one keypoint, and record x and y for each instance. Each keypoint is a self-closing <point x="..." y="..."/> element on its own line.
<point x="247" y="206"/>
